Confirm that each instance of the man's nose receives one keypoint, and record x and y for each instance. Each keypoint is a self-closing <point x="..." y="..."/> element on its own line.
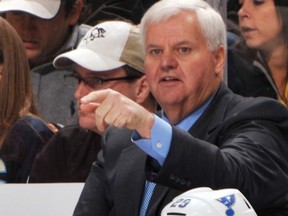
<point x="80" y="91"/>
<point x="168" y="62"/>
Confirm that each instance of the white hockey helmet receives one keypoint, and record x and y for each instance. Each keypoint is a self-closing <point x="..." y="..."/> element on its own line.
<point x="204" y="201"/>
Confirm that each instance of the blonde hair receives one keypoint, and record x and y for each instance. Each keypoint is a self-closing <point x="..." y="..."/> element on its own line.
<point x="16" y="97"/>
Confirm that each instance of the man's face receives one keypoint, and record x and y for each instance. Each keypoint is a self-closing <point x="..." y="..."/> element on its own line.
<point x="180" y="70"/>
<point x="86" y="116"/>
<point x="42" y="38"/>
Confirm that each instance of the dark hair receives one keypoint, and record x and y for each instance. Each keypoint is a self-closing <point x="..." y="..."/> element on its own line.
<point x="68" y="4"/>
<point x="282" y="8"/>
<point x="283" y="3"/>
<point x="132" y="72"/>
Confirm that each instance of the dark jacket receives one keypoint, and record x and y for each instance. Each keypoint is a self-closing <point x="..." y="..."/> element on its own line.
<point x="25" y="139"/>
<point x="68" y="156"/>
<point x="236" y="143"/>
<point x="248" y="73"/>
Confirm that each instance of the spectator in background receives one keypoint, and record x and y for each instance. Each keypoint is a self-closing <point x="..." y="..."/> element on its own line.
<point x="100" y="10"/>
<point x="109" y="56"/>
<point x="258" y="65"/>
<point x="206" y="135"/>
<point x="22" y="132"/>
<point x="48" y="28"/>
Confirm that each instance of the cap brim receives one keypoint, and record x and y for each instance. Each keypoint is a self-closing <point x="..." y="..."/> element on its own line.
<point x="93" y="63"/>
<point x="39" y="8"/>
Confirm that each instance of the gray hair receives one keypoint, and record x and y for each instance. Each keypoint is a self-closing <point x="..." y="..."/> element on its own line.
<point x="210" y="21"/>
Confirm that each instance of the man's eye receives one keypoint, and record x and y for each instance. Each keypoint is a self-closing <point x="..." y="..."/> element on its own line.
<point x="155" y="51"/>
<point x="97" y="80"/>
<point x="184" y="50"/>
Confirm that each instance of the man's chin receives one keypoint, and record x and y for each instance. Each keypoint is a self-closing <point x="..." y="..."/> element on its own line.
<point x="34" y="57"/>
<point x="32" y="53"/>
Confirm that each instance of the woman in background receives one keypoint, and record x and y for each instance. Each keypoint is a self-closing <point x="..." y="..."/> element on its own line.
<point x="22" y="132"/>
<point x="258" y="66"/>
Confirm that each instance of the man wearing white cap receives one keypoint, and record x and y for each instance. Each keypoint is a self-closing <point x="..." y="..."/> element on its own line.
<point x="109" y="56"/>
<point x="48" y="28"/>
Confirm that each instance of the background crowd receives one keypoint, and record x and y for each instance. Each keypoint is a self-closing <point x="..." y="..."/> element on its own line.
<point x="49" y="133"/>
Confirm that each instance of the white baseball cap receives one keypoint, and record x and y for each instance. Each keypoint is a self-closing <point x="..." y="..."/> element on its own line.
<point x="207" y="202"/>
<point x="106" y="46"/>
<point x="45" y="9"/>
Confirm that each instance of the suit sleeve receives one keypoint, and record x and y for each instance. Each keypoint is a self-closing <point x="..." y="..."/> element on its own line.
<point x="250" y="156"/>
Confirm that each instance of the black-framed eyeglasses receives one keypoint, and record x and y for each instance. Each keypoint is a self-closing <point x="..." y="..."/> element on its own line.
<point x="94" y="81"/>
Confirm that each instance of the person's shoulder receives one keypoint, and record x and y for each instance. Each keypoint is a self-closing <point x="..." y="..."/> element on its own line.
<point x="232" y="111"/>
<point x="267" y="105"/>
<point x="31" y="121"/>
<point x="251" y="107"/>
<point x="262" y="108"/>
<point x="30" y="124"/>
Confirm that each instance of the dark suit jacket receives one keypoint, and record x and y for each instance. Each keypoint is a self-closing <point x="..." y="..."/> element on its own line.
<point x="236" y="143"/>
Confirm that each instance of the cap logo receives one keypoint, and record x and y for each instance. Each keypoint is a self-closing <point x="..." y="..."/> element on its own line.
<point x="97" y="32"/>
<point x="228" y="201"/>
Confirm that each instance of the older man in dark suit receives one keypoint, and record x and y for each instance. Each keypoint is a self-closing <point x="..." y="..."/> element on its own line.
<point x="205" y="136"/>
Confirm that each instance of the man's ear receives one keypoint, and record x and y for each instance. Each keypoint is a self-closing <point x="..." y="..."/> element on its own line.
<point x="142" y="91"/>
<point x="75" y="13"/>
<point x="220" y="58"/>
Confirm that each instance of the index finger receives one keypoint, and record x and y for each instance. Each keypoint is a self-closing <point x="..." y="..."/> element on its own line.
<point x="95" y="97"/>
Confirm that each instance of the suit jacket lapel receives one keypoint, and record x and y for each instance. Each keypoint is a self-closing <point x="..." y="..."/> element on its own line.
<point x="208" y="120"/>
